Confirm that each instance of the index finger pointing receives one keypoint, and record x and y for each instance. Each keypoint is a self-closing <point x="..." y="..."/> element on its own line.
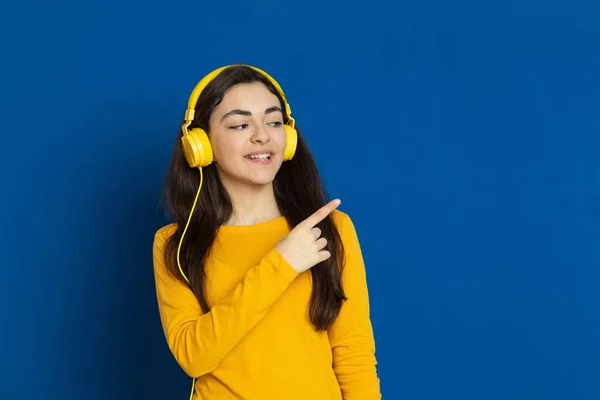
<point x="322" y="213"/>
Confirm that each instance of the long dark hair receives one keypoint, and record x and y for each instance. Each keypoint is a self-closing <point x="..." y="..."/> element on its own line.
<point x="299" y="192"/>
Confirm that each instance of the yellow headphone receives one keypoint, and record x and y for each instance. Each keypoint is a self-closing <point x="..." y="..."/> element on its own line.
<point x="195" y="143"/>
<point x="198" y="151"/>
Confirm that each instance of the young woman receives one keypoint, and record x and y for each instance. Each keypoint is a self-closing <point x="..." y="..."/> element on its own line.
<point x="260" y="281"/>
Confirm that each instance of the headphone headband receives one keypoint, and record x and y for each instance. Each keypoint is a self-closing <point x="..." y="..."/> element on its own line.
<point x="195" y="95"/>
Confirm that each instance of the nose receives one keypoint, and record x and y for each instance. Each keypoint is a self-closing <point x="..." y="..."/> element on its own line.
<point x="260" y="134"/>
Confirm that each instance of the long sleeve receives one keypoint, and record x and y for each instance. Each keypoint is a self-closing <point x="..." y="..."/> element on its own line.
<point x="199" y="341"/>
<point x="351" y="335"/>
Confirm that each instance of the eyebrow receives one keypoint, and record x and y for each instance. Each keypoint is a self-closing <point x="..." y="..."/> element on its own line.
<point x="248" y="113"/>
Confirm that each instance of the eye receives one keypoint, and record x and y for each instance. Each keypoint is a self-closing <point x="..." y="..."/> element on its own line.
<point x="276" y="124"/>
<point x="238" y="127"/>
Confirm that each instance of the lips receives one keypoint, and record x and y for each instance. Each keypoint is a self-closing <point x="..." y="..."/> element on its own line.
<point x="263" y="158"/>
<point x="260" y="155"/>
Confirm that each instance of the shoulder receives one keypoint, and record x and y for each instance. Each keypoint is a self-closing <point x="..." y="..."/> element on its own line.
<point x="343" y="222"/>
<point x="164" y="233"/>
<point x="161" y="236"/>
<point x="339" y="216"/>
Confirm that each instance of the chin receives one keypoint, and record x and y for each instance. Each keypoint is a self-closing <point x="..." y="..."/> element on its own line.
<point x="261" y="181"/>
<point x="250" y="175"/>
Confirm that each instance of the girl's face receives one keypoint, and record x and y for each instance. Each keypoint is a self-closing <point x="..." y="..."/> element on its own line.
<point x="247" y="135"/>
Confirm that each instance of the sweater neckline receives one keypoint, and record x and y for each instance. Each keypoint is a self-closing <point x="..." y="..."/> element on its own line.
<point x="273" y="224"/>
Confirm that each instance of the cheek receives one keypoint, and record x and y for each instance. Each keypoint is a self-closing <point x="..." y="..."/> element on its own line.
<point x="279" y="139"/>
<point x="226" y="148"/>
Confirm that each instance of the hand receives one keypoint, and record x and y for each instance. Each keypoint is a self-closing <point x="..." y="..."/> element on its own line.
<point x="303" y="247"/>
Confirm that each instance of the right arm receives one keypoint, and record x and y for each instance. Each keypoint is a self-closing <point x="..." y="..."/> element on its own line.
<point x="199" y="341"/>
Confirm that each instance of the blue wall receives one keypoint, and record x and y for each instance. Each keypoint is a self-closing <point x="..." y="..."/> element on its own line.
<point x="462" y="138"/>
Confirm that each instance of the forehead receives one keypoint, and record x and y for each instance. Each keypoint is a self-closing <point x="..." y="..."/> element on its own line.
<point x="248" y="96"/>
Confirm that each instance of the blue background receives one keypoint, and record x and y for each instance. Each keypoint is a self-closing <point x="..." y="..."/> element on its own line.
<point x="462" y="138"/>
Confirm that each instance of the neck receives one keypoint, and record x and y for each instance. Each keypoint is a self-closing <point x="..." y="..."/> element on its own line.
<point x="252" y="204"/>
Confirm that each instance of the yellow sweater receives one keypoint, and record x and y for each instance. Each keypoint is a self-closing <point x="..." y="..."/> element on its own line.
<point x="257" y="342"/>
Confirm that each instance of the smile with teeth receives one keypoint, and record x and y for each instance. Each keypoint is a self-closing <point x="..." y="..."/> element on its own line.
<point x="264" y="156"/>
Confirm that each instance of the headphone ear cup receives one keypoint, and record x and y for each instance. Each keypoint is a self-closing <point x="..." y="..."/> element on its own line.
<point x="196" y="148"/>
<point x="291" y="142"/>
